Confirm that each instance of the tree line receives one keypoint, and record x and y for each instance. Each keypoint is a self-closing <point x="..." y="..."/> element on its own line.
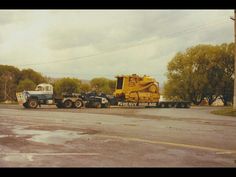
<point x="202" y="72"/>
<point x="14" y="80"/>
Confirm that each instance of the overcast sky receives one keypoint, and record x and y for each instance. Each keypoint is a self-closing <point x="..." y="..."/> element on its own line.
<point x="106" y="43"/>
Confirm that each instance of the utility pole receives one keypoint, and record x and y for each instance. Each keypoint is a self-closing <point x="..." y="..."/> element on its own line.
<point x="234" y="101"/>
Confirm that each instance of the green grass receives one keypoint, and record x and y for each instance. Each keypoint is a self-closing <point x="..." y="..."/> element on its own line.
<point x="225" y="112"/>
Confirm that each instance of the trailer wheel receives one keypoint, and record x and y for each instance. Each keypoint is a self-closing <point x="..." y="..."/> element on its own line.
<point x="97" y="105"/>
<point x="68" y="104"/>
<point x="106" y="105"/>
<point x="182" y="105"/>
<point x="33" y="103"/>
<point x="169" y="105"/>
<point x="162" y="105"/>
<point x="78" y="104"/>
<point x="187" y="105"/>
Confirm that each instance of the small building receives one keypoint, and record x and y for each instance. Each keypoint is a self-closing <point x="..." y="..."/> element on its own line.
<point x="218" y="102"/>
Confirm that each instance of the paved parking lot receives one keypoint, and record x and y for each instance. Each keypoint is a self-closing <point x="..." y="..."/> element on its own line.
<point x="116" y="137"/>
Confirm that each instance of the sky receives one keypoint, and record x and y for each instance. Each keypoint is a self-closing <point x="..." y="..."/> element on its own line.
<point x="105" y="43"/>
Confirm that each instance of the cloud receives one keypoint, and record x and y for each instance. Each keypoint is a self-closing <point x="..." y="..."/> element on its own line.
<point x="76" y="37"/>
<point x="6" y="18"/>
<point x="106" y="29"/>
<point x="126" y="41"/>
<point x="15" y="16"/>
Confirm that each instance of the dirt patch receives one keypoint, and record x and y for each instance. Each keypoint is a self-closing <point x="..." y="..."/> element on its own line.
<point x="17" y="142"/>
<point x="54" y="128"/>
<point x="57" y="136"/>
<point x="4" y="130"/>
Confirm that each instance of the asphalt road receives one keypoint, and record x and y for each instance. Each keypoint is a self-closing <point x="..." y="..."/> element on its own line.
<point x="116" y="137"/>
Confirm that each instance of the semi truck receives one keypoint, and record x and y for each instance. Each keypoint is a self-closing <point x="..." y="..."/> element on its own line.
<point x="131" y="90"/>
<point x="44" y="95"/>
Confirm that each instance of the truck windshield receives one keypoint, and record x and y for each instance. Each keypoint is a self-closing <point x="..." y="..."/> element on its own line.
<point x="39" y="88"/>
<point x="48" y="88"/>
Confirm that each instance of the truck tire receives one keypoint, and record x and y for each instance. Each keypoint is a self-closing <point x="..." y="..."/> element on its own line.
<point x="26" y="105"/>
<point x="78" y="104"/>
<point x="68" y="104"/>
<point x="33" y="103"/>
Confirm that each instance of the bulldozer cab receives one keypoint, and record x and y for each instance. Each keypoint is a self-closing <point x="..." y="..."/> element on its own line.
<point x="119" y="83"/>
<point x="126" y="81"/>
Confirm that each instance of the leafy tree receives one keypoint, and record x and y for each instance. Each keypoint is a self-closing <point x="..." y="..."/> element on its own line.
<point x="226" y="83"/>
<point x="49" y="80"/>
<point x="112" y="85"/>
<point x="85" y="87"/>
<point x="102" y="84"/>
<point x="26" y="84"/>
<point x="9" y="78"/>
<point x="69" y="85"/>
<point x="36" y="77"/>
<point x="203" y="71"/>
<point x="186" y="76"/>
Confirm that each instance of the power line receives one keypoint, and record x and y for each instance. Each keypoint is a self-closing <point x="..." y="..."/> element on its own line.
<point x="68" y="59"/>
<point x="82" y="74"/>
<point x="234" y="97"/>
<point x="192" y="29"/>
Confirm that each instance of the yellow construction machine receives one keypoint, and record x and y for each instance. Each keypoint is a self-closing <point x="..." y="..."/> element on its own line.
<point x="134" y="90"/>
